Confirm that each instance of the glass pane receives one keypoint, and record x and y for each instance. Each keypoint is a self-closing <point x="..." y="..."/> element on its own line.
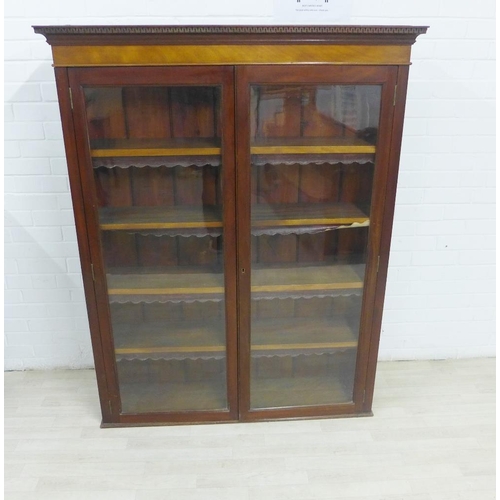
<point x="313" y="152"/>
<point x="158" y="176"/>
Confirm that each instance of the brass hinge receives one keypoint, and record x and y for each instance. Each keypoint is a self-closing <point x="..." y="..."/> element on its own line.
<point x="364" y="395"/>
<point x="71" y="97"/>
<point x="378" y="263"/>
<point x="395" y="94"/>
<point x="110" y="406"/>
<point x="93" y="273"/>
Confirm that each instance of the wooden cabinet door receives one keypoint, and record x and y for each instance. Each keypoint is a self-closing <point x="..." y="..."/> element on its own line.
<point x="156" y="164"/>
<point x="312" y="167"/>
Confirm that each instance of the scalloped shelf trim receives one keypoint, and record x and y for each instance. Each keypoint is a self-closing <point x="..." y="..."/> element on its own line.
<point x="205" y="357"/>
<point x="315" y="160"/>
<point x="282" y="231"/>
<point x="151" y="299"/>
<point x="155" y="162"/>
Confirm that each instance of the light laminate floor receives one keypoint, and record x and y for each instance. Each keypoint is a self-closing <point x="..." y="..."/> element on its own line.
<point x="432" y="438"/>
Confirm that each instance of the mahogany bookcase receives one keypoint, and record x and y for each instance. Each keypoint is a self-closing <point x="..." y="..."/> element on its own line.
<point x="233" y="190"/>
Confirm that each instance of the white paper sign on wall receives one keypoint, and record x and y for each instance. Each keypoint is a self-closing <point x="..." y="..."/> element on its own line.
<point x="312" y="11"/>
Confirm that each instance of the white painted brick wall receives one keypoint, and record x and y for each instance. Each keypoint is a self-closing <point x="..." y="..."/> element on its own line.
<point x="440" y="291"/>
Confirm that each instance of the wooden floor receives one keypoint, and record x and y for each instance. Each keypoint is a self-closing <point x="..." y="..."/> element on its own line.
<point x="432" y="438"/>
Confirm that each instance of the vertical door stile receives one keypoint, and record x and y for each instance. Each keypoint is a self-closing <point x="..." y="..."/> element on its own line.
<point x="398" y="79"/>
<point x="243" y="183"/>
<point x="69" y="124"/>
<point x="227" y="125"/>
<point x="100" y="326"/>
<point x="372" y="298"/>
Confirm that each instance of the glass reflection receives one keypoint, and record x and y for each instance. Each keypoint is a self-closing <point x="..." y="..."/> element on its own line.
<point x="313" y="152"/>
<point x="158" y="178"/>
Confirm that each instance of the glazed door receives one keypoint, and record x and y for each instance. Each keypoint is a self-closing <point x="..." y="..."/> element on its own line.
<point x="312" y="156"/>
<point x="158" y="182"/>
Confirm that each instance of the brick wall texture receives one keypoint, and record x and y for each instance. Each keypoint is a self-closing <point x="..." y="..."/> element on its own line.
<point x="440" y="291"/>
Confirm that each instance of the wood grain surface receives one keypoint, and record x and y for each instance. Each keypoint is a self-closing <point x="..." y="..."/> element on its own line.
<point x="163" y="55"/>
<point x="310" y="145"/>
<point x="304" y="335"/>
<point x="155" y="147"/>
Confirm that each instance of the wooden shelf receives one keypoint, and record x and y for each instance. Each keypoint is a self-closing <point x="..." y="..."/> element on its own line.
<point x="199" y="283"/>
<point x="166" y="217"/>
<point x="104" y="148"/>
<point x="211" y="395"/>
<point x="297" y="391"/>
<point x="173" y="396"/>
<point x="323" y="279"/>
<point x="209" y="217"/>
<point x="165" y="284"/>
<point x="170" y="340"/>
<point x="306" y="214"/>
<point x="270" y="337"/>
<point x="310" y="145"/>
<point x="294" y="336"/>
